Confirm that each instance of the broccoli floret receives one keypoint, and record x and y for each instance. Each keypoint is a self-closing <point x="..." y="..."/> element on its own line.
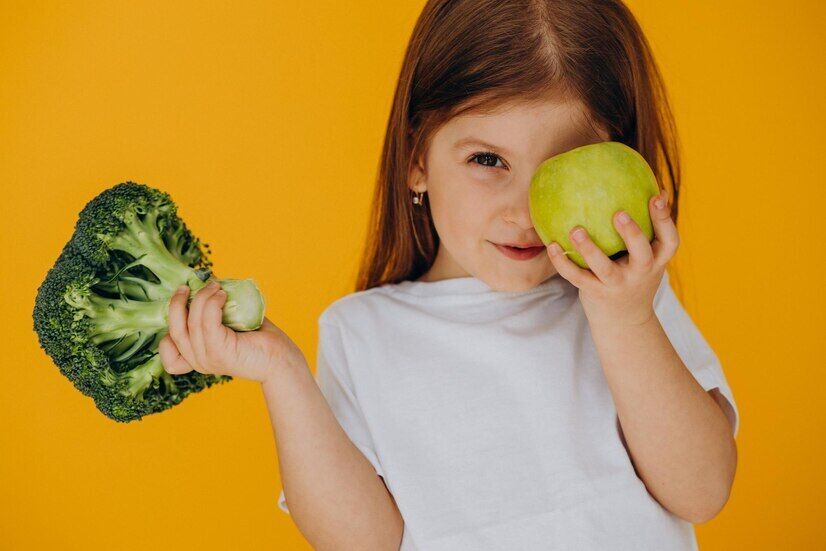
<point x="102" y="309"/>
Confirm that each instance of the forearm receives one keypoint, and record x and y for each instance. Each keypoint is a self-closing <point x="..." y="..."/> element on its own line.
<point x="679" y="438"/>
<point x="333" y="493"/>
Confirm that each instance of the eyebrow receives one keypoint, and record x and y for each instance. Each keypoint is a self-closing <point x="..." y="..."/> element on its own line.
<point x="464" y="142"/>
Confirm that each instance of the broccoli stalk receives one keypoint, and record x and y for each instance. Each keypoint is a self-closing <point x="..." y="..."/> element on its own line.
<point x="103" y="308"/>
<point x="135" y="382"/>
<point x="140" y="238"/>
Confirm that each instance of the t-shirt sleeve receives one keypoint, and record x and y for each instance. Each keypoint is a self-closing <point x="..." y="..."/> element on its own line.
<point x="334" y="381"/>
<point x="693" y="349"/>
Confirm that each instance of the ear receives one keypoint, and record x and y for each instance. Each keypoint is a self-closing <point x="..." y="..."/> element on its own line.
<point x="416" y="179"/>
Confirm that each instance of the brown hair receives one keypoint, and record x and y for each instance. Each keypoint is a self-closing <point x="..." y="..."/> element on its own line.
<point x="476" y="54"/>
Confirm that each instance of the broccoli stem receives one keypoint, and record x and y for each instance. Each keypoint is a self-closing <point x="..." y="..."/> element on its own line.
<point x="113" y="319"/>
<point x="142" y="377"/>
<point x="133" y="288"/>
<point x="133" y="323"/>
<point x="244" y="308"/>
<point x="134" y="383"/>
<point x="140" y="238"/>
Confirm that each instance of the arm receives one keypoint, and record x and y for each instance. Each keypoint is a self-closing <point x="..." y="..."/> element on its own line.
<point x="679" y="438"/>
<point x="335" y="497"/>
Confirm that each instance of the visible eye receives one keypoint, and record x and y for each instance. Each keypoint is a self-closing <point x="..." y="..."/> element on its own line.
<point x="488" y="157"/>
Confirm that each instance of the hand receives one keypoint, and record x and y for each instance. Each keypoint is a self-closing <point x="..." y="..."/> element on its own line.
<point x="623" y="290"/>
<point x="198" y="340"/>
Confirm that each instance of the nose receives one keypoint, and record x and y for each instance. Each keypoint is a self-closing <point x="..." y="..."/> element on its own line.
<point x="517" y="210"/>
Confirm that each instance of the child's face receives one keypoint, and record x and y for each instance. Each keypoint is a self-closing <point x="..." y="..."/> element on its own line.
<point x="477" y="200"/>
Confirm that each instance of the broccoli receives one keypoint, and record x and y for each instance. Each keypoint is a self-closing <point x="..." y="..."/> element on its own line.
<point x="101" y="311"/>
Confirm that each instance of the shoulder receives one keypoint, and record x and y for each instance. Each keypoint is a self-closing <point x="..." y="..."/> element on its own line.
<point x="357" y="308"/>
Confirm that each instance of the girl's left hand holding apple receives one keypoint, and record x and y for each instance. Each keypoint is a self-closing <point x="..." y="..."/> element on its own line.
<point x="621" y="291"/>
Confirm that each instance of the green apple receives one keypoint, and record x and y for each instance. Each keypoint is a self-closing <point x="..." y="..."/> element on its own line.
<point x="586" y="186"/>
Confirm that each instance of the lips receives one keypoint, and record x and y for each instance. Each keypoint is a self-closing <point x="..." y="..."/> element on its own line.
<point x="521" y="245"/>
<point x="517" y="253"/>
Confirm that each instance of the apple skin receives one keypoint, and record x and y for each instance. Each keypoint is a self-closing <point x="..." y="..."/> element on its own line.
<point x="586" y="186"/>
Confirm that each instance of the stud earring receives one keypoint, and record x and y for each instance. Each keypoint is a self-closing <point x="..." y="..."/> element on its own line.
<point x="418" y="198"/>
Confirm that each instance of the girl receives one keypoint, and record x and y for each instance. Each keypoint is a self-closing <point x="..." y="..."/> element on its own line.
<point x="471" y="395"/>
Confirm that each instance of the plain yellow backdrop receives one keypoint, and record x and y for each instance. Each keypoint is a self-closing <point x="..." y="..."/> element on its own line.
<point x="264" y="121"/>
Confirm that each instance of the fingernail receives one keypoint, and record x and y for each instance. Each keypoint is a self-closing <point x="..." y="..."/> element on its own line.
<point x="623" y="217"/>
<point x="221" y="293"/>
<point x="579" y="235"/>
<point x="659" y="202"/>
<point x="183" y="289"/>
<point x="554" y="249"/>
<point x="212" y="285"/>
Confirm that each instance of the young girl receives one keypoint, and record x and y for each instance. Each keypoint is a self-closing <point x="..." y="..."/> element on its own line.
<point x="470" y="395"/>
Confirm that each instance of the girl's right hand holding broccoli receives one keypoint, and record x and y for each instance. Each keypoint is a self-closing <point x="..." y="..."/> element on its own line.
<point x="198" y="340"/>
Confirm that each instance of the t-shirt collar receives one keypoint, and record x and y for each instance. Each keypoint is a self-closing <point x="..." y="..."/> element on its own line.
<point x="470" y="285"/>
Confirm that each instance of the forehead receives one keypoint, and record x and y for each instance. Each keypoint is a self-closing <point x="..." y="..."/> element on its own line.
<point x="538" y="127"/>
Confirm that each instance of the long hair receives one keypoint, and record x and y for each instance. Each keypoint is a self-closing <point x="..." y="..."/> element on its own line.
<point x="476" y="54"/>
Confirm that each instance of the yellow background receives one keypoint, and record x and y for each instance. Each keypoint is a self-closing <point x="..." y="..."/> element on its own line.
<point x="264" y="121"/>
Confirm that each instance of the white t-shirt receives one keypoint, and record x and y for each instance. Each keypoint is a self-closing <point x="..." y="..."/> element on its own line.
<point x="490" y="419"/>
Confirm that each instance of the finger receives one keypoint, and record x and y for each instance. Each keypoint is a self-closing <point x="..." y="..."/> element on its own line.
<point x="568" y="269"/>
<point x="196" y="325"/>
<point x="636" y="243"/>
<point x="171" y="358"/>
<point x="214" y="331"/>
<point x="597" y="260"/>
<point x="666" y="238"/>
<point x="177" y="318"/>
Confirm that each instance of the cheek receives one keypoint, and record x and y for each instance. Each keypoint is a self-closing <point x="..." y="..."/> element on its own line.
<point x="462" y="201"/>
<point x="460" y="214"/>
